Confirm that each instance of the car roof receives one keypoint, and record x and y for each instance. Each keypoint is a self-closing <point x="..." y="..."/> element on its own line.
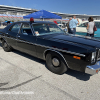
<point x="38" y="22"/>
<point x="94" y="21"/>
<point x="88" y="21"/>
<point x="35" y="22"/>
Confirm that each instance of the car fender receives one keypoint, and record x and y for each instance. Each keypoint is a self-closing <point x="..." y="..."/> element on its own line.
<point x="59" y="53"/>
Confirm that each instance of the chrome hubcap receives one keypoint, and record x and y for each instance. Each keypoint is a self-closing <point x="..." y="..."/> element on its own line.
<point x="55" y="62"/>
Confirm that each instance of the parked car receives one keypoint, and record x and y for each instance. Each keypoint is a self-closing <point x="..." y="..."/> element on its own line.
<point x="81" y="29"/>
<point x="6" y="23"/>
<point x="62" y="25"/>
<point x="45" y="40"/>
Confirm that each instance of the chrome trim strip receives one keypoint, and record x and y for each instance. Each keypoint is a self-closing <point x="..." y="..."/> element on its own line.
<point x="49" y="47"/>
<point x="56" y="52"/>
<point x="9" y="38"/>
<point x="61" y="50"/>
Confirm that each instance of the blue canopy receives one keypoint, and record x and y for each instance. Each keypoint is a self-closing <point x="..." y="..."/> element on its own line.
<point x="42" y="14"/>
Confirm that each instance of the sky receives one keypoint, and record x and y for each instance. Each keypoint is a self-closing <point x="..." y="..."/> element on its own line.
<point x="89" y="7"/>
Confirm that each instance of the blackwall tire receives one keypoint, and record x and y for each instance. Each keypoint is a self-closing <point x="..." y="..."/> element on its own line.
<point x="5" y="46"/>
<point x="59" y="67"/>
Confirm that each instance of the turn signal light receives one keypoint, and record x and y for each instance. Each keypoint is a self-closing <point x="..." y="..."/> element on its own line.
<point x="76" y="57"/>
<point x="96" y="71"/>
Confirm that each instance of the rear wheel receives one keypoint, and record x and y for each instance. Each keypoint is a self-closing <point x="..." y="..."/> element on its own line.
<point x="55" y="63"/>
<point x="5" y="46"/>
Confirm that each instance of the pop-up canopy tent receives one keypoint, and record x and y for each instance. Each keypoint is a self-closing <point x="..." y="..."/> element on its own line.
<point x="42" y="14"/>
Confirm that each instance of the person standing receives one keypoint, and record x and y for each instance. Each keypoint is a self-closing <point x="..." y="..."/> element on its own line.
<point x="68" y="25"/>
<point x="72" y="25"/>
<point x="90" y="27"/>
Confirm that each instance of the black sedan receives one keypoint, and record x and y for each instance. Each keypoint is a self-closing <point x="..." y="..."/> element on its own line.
<point x="49" y="42"/>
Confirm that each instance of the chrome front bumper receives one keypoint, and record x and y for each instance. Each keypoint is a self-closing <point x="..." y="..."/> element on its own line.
<point x="93" y="69"/>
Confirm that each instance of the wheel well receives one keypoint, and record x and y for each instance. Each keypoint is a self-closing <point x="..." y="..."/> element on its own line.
<point x="48" y="51"/>
<point x="57" y="52"/>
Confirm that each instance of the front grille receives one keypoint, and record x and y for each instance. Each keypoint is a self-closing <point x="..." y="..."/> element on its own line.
<point x="98" y="56"/>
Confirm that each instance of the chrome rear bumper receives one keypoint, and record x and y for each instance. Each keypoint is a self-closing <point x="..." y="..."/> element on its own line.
<point x="93" y="69"/>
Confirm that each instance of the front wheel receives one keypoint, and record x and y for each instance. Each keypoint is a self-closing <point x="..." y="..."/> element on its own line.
<point x="55" y="63"/>
<point x="5" y="46"/>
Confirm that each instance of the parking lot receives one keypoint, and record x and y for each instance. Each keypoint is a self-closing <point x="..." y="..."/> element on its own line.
<point x="23" y="77"/>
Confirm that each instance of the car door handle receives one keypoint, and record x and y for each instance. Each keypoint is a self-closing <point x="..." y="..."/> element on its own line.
<point x="18" y="36"/>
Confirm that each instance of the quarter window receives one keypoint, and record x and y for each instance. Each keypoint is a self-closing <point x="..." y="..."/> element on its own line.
<point x="15" y="28"/>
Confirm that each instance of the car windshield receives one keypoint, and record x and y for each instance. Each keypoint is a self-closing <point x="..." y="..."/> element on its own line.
<point x="45" y="29"/>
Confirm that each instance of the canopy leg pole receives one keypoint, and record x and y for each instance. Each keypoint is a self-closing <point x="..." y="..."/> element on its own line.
<point x="61" y="23"/>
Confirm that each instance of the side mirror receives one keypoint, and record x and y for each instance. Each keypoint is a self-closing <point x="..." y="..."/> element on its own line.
<point x="65" y="30"/>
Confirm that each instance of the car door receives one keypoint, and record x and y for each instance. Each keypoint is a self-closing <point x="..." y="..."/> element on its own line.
<point x="26" y="40"/>
<point x="12" y="33"/>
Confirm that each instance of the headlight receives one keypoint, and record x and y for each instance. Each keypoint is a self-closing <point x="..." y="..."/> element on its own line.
<point x="93" y="58"/>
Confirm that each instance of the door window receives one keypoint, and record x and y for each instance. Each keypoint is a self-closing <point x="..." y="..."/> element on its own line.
<point x="44" y="29"/>
<point x="26" y="29"/>
<point x="15" y="28"/>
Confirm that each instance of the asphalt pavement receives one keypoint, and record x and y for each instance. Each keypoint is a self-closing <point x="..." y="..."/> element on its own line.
<point x="1" y="27"/>
<point x="23" y="77"/>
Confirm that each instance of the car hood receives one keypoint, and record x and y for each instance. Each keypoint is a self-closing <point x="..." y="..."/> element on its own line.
<point x="75" y="39"/>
